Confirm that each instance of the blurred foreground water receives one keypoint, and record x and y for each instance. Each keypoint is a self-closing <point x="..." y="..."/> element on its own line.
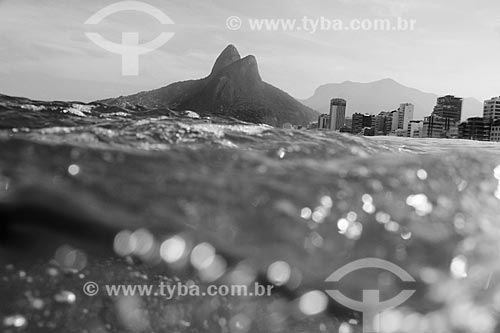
<point x="134" y="196"/>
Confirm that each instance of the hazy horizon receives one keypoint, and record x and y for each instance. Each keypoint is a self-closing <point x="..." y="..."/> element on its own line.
<point x="53" y="59"/>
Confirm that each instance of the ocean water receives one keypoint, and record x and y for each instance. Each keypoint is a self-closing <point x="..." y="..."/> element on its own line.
<point x="80" y="183"/>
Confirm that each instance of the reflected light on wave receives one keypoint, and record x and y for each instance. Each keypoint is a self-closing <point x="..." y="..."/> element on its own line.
<point x="173" y="249"/>
<point x="279" y="273"/>
<point x="313" y="303"/>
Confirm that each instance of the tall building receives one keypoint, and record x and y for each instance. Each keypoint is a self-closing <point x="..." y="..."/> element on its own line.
<point x="388" y="123"/>
<point x="337" y="113"/>
<point x="405" y="114"/>
<point x="383" y="123"/>
<point x="415" y="128"/>
<point x="476" y="128"/>
<point x="394" y="120"/>
<point x="348" y="123"/>
<point x="495" y="131"/>
<point x="439" y="127"/>
<point x="449" y="107"/>
<point x="401" y="117"/>
<point x="361" y="121"/>
<point x="324" y="121"/>
<point x="492" y="109"/>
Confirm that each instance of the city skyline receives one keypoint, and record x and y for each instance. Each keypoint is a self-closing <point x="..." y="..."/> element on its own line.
<point x="445" y="121"/>
<point x="493" y="104"/>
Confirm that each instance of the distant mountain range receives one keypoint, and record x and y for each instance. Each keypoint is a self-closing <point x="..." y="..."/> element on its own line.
<point x="234" y="88"/>
<point x="383" y="95"/>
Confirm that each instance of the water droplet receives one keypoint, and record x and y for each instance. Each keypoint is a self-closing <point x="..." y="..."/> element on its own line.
<point x="214" y="270"/>
<point x="352" y="216"/>
<point x="392" y="226"/>
<point x="124" y="244"/>
<point x="65" y="296"/>
<point x="367" y="199"/>
<point x="458" y="267"/>
<point x="240" y="324"/>
<point x="319" y="215"/>
<point x="345" y="328"/>
<point x="422" y="174"/>
<point x="73" y="170"/>
<point x="326" y="201"/>
<point x="306" y="213"/>
<point x="496" y="172"/>
<point x="222" y="322"/>
<point x="17" y="321"/>
<point x="37" y="303"/>
<point x="406" y="235"/>
<point x="462" y="185"/>
<point x="184" y="323"/>
<point x="459" y="222"/>
<point x="342" y="224"/>
<point x="354" y="231"/>
<point x="313" y="303"/>
<point x="316" y="239"/>
<point x="173" y="249"/>
<point x="420" y="203"/>
<point x="279" y="273"/>
<point x="131" y="314"/>
<point x="202" y="255"/>
<point x="369" y="208"/>
<point x="382" y="217"/>
<point x="281" y="153"/>
<point x="52" y="271"/>
<point x="70" y="259"/>
<point x="242" y="274"/>
<point x="145" y="242"/>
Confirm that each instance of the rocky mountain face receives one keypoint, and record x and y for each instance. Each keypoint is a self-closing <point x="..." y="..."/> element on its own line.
<point x="383" y="95"/>
<point x="234" y="88"/>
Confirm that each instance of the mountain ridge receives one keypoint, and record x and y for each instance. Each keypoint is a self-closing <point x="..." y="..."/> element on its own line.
<point x="382" y="95"/>
<point x="233" y="88"/>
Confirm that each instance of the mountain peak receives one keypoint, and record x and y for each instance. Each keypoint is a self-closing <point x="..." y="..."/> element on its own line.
<point x="250" y="65"/>
<point x="246" y="69"/>
<point x="233" y="89"/>
<point x="226" y="58"/>
<point x="387" y="81"/>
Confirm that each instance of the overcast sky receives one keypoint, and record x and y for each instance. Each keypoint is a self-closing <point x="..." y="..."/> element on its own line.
<point x="455" y="48"/>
